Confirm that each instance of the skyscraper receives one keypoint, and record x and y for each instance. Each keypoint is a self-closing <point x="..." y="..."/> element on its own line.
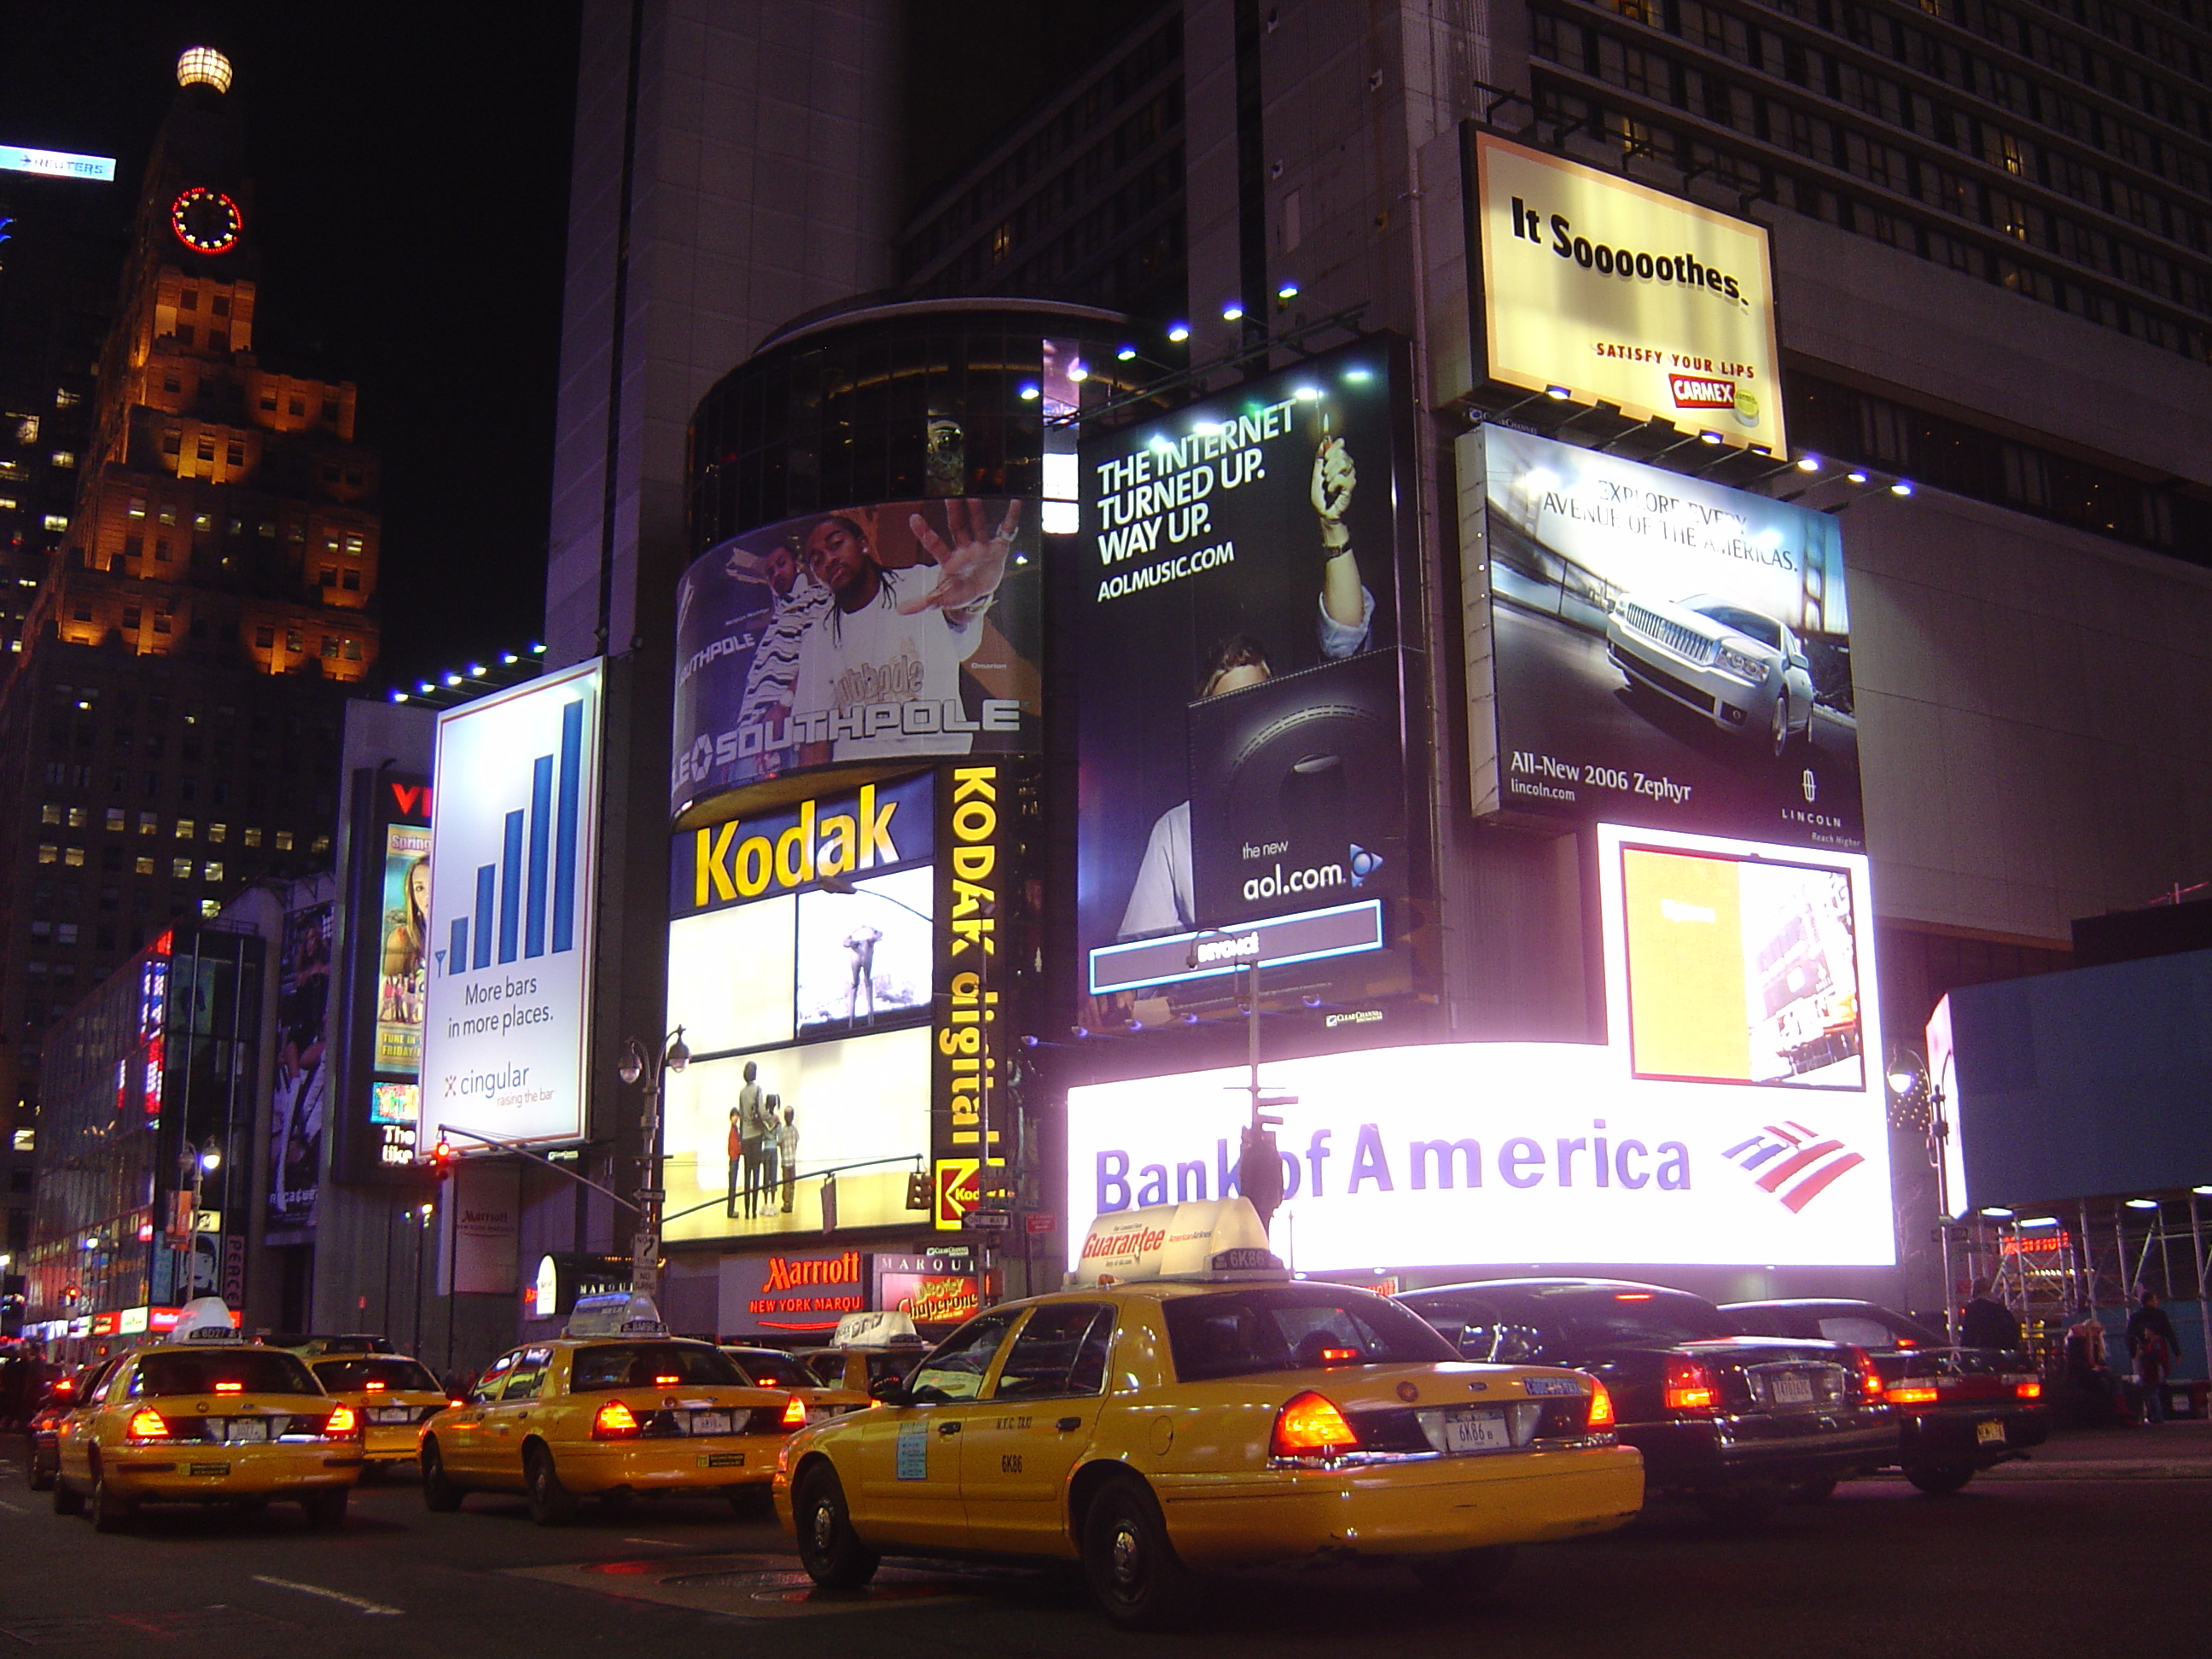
<point x="170" y="726"/>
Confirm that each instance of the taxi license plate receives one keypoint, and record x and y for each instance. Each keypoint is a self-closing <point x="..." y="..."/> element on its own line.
<point x="1991" y="1433"/>
<point x="243" y="1430"/>
<point x="218" y="1470"/>
<point x="722" y="1461"/>
<point x="1792" y="1390"/>
<point x="1477" y="1431"/>
<point x="392" y="1414"/>
<point x="710" y="1423"/>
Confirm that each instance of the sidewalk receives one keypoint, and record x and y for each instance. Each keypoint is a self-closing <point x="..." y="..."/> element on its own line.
<point x="2160" y="1451"/>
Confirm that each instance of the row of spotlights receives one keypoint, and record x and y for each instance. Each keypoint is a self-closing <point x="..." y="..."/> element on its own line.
<point x="426" y="688"/>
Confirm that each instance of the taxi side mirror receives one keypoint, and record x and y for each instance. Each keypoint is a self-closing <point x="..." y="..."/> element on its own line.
<point x="888" y="1391"/>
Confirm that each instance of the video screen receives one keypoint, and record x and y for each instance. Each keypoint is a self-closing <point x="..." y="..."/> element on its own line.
<point x="731" y="975"/>
<point x="864" y="956"/>
<point x="1741" y="970"/>
<point x="402" y="963"/>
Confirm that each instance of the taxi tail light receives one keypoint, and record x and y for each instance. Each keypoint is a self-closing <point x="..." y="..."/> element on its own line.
<point x="146" y="1425"/>
<point x="230" y="1388"/>
<point x="615" y="1421"/>
<point x="1600" y="1408"/>
<point x="343" y="1423"/>
<point x="2025" y="1388"/>
<point x="1310" y="1425"/>
<point x="1691" y="1388"/>
<point x="456" y="1404"/>
<point x="1912" y="1394"/>
<point x="795" y="1414"/>
<point x="373" y="1387"/>
<point x="1870" y="1382"/>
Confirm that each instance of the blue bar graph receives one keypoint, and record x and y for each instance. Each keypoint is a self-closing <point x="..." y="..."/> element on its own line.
<point x="510" y="889"/>
<point x="564" y="854"/>
<point x="536" y="871"/>
<point x="541" y="814"/>
<point x="485" y="882"/>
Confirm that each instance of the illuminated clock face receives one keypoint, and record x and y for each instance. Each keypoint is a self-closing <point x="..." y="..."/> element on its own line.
<point x="206" y="221"/>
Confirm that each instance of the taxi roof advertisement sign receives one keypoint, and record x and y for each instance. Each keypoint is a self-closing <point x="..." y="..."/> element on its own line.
<point x="1647" y="647"/>
<point x="1623" y="295"/>
<point x="513" y="858"/>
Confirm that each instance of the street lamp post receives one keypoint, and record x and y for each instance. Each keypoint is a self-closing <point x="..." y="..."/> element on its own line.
<point x="1913" y="1082"/>
<point x="198" y="1162"/>
<point x="645" y="1067"/>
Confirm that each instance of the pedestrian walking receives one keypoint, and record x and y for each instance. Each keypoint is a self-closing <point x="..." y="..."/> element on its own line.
<point x="1986" y="1323"/>
<point x="2151" y="1345"/>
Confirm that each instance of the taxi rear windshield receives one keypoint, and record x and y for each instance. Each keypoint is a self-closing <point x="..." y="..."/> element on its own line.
<point x="254" y="1371"/>
<point x="651" y="1365"/>
<point x="769" y="1369"/>
<point x="1289" y="1328"/>
<point x="387" y="1376"/>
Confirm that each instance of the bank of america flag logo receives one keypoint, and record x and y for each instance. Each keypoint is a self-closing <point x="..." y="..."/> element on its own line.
<point x="1793" y="1163"/>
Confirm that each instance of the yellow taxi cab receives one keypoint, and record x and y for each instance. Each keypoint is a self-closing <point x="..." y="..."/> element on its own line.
<point x="1185" y="1405"/>
<point x="772" y="1368"/>
<point x="615" y="1408"/>
<point x="391" y="1395"/>
<point x="207" y="1416"/>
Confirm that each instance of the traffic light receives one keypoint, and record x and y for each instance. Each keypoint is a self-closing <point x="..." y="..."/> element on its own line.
<point x="918" y="1190"/>
<point x="441" y="1159"/>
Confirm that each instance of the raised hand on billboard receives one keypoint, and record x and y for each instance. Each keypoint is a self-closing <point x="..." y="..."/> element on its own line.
<point x="969" y="569"/>
<point x="1334" y="479"/>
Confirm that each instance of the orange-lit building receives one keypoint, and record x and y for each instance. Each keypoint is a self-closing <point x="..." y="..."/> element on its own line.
<point x="169" y="723"/>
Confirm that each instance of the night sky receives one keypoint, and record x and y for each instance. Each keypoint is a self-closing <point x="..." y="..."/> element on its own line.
<point x="410" y="166"/>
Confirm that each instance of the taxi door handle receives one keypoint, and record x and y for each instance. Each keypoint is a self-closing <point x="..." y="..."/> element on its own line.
<point x="948" y="1428"/>
<point x="1067" y="1424"/>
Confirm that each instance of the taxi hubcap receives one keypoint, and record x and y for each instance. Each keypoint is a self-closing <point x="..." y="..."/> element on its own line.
<point x="826" y="1526"/>
<point x="1126" y="1562"/>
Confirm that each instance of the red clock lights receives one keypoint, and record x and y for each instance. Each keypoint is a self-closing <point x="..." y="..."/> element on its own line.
<point x="206" y="221"/>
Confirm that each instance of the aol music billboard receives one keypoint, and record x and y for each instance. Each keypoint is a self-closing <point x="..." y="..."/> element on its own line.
<point x="513" y="853"/>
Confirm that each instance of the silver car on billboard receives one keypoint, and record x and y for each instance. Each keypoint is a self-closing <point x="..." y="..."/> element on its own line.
<point x="1742" y="670"/>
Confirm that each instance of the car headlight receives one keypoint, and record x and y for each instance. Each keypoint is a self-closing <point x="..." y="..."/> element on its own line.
<point x="1743" y="664"/>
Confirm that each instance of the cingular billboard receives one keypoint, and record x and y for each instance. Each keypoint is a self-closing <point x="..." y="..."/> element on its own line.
<point x="1643" y="646"/>
<point x="1236" y="639"/>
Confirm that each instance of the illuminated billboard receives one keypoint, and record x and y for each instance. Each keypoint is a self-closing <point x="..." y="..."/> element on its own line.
<point x="513" y="865"/>
<point x="1236" y="635"/>
<point x="903" y="630"/>
<point x="386" y="937"/>
<point x="300" y="1092"/>
<point x="1645" y="646"/>
<point x="807" y="1010"/>
<point x="1616" y="293"/>
<point x="1454" y="1155"/>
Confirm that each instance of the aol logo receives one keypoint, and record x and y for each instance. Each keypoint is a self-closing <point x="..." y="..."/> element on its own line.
<point x="1366" y="864"/>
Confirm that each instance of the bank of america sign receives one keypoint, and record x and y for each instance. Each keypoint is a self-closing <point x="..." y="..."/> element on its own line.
<point x="513" y="852"/>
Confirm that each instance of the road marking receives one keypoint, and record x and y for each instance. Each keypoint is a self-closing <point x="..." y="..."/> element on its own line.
<point x="13" y="1509"/>
<point x="658" y="1543"/>
<point x="335" y="1595"/>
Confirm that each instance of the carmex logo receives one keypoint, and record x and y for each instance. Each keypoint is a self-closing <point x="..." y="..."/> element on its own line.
<point x="1810" y="1162"/>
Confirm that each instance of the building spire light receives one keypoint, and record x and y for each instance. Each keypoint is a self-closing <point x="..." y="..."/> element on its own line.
<point x="204" y="66"/>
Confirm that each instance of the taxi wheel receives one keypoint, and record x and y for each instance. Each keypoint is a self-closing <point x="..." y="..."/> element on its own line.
<point x="325" y="1509"/>
<point x="439" y="1495"/>
<point x="1135" y="1575"/>
<point x="67" y="1500"/>
<point x="37" y="1478"/>
<point x="1939" y="1479"/>
<point x="110" y="1512"/>
<point x="1463" y="1575"/>
<point x="551" y="1503"/>
<point x="829" y="1548"/>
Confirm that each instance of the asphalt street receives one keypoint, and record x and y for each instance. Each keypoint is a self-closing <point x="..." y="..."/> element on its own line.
<point x="2110" y="1558"/>
<point x="1560" y="697"/>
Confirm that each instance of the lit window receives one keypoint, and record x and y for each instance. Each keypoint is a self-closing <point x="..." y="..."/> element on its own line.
<point x="73" y="855"/>
<point x="353" y="650"/>
<point x="185" y="827"/>
<point x="284" y="841"/>
<point x="144" y="866"/>
<point x="148" y="824"/>
<point x="64" y="458"/>
<point x="322" y="844"/>
<point x="48" y="852"/>
<point x="292" y="639"/>
<point x="210" y="907"/>
<point x="115" y="820"/>
<point x="253" y="837"/>
<point x="138" y="508"/>
<point x="181" y="869"/>
<point x="49" y="813"/>
<point x="65" y="932"/>
<point x="202" y="521"/>
<point x="79" y="817"/>
<point x="8" y="504"/>
<point x="58" y="521"/>
<point x="212" y="871"/>
<point x="329" y="645"/>
<point x="168" y="515"/>
<point x="267" y="528"/>
<point x="352" y="545"/>
<point x="65" y="398"/>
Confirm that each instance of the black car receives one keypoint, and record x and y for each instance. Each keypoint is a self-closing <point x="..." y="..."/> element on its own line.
<point x="1960" y="1411"/>
<point x="1740" y="1424"/>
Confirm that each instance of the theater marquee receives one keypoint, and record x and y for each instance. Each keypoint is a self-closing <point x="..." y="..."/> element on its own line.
<point x="1619" y="293"/>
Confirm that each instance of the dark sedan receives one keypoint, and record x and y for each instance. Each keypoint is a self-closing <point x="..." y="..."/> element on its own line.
<point x="63" y="1395"/>
<point x="1740" y="1424"/>
<point x="1960" y="1410"/>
